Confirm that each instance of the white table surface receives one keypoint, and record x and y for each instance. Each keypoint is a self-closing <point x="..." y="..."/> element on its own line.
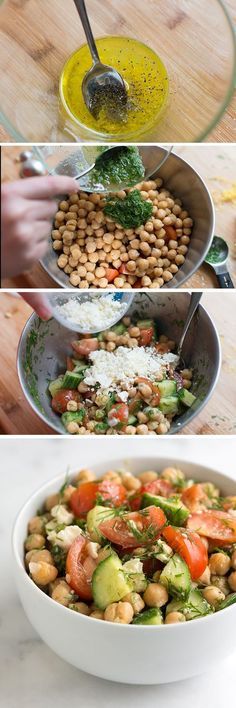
<point x="31" y="675"/>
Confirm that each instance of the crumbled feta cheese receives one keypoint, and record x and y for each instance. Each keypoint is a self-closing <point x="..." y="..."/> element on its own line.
<point x="97" y="313"/>
<point x="133" y="566"/>
<point x="111" y="369"/>
<point x="92" y="549"/>
<point x="65" y="537"/>
<point x="60" y="513"/>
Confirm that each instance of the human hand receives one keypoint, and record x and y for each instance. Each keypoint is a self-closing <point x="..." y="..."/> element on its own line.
<point x="28" y="208"/>
<point x="39" y="303"/>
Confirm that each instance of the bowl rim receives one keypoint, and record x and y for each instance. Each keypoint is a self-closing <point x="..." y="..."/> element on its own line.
<point x="61" y="608"/>
<point x="172" y="284"/>
<point x="43" y="416"/>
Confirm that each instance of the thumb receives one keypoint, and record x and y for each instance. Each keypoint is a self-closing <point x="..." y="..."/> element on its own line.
<point x="39" y="303"/>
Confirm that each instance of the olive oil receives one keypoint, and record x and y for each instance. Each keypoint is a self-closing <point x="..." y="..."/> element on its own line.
<point x="140" y="67"/>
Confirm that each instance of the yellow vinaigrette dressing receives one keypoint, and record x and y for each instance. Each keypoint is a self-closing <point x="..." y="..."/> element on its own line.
<point x="139" y="66"/>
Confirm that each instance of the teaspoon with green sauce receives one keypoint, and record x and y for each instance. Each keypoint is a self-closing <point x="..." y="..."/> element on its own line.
<point x="217" y="259"/>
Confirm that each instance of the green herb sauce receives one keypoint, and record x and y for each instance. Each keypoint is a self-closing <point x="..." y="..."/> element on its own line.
<point x="130" y="212"/>
<point x="124" y="166"/>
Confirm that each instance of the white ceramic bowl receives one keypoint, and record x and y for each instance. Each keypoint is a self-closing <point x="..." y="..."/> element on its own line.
<point x="125" y="653"/>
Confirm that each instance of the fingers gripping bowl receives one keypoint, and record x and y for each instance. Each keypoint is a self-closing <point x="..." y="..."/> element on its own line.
<point x="44" y="347"/>
<point x="121" y="652"/>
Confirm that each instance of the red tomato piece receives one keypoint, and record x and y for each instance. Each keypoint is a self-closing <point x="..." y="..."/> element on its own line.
<point x="76" y="575"/>
<point x="121" y="530"/>
<point x="171" y="233"/>
<point x="113" y="492"/>
<point x="123" y="270"/>
<point x="195" y="498"/>
<point x="83" y="498"/>
<point x="62" y="397"/>
<point x="83" y="347"/>
<point x="119" y="413"/>
<point x="69" y="364"/>
<point x="138" y="283"/>
<point x="214" y="524"/>
<point x="111" y="274"/>
<point x="145" y="337"/>
<point x="190" y="547"/>
<point x="160" y="487"/>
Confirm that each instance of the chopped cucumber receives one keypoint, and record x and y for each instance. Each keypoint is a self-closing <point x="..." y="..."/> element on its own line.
<point x="169" y="404"/>
<point x="152" y="616"/>
<point x="175" y="511"/>
<point x="72" y="379"/>
<point x="76" y="417"/>
<point x="94" y="519"/>
<point x="145" y="324"/>
<point x="195" y="606"/>
<point x="132" y="420"/>
<point x="229" y="600"/>
<point x="109" y="582"/>
<point x="80" y="366"/>
<point x="176" y="577"/>
<point x="151" y="412"/>
<point x="101" y="428"/>
<point x="110" y="402"/>
<point x="186" y="397"/>
<point x="139" y="582"/>
<point x="55" y="385"/>
<point x="167" y="387"/>
<point x="118" y="328"/>
<point x="100" y="414"/>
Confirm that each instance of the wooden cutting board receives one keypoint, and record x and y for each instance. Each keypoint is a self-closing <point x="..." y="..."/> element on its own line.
<point x="217" y="166"/>
<point x="16" y="416"/>
<point x="35" y="57"/>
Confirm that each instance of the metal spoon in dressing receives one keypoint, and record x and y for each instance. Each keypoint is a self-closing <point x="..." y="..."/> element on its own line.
<point x="193" y="305"/>
<point x="103" y="87"/>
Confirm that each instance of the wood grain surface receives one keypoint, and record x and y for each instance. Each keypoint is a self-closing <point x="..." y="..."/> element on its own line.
<point x="31" y="59"/>
<point x="16" y="416"/>
<point x="216" y="165"/>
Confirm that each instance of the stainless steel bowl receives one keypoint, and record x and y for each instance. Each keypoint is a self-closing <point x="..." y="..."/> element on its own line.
<point x="186" y="184"/>
<point x="44" y="346"/>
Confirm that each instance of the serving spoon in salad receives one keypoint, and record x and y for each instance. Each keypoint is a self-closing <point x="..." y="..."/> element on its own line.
<point x="103" y="87"/>
<point x="193" y="305"/>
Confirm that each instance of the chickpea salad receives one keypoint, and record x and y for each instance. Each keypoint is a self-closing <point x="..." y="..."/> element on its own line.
<point x="151" y="549"/>
<point x="137" y="237"/>
<point x="122" y="381"/>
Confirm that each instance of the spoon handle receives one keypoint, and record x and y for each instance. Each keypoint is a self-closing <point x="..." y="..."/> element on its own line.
<point x="194" y="302"/>
<point x="224" y="280"/>
<point x="80" y="6"/>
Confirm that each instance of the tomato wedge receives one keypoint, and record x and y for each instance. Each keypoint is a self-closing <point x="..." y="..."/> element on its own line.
<point x="134" y="529"/>
<point x="62" y="397"/>
<point x="83" y="347"/>
<point x="87" y="494"/>
<point x="161" y="487"/>
<point x="190" y="548"/>
<point x="145" y="336"/>
<point x="195" y="498"/>
<point x="119" y="413"/>
<point x="214" y="524"/>
<point x="75" y="573"/>
<point x="111" y="274"/>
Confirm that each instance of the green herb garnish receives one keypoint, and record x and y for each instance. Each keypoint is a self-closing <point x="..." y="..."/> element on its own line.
<point x="132" y="211"/>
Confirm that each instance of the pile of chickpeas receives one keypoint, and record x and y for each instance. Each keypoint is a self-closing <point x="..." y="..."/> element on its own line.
<point x="90" y="243"/>
<point x="216" y="583"/>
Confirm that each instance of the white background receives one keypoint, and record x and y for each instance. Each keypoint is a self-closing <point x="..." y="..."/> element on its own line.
<point x="31" y="675"/>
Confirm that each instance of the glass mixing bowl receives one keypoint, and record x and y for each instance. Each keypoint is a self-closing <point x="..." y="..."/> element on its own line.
<point x="196" y="44"/>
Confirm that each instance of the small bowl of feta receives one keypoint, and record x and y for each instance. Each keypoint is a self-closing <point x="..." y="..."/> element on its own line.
<point x="86" y="312"/>
<point x="125" y="380"/>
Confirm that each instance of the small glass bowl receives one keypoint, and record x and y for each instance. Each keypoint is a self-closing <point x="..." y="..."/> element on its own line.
<point x="58" y="299"/>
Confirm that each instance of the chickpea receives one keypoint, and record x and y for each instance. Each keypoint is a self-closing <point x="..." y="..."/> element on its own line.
<point x="130" y="482"/>
<point x="155" y="595"/>
<point x="233" y="560"/>
<point x="205" y="578"/>
<point x="85" y="476"/>
<point x="130" y="430"/>
<point x="173" y="475"/>
<point x="72" y="428"/>
<point x="97" y="614"/>
<point x="163" y="428"/>
<point x="221" y="582"/>
<point x="42" y="573"/>
<point x="167" y="276"/>
<point x="142" y="430"/>
<point x="135" y="600"/>
<point x="219" y="564"/>
<point x="232" y="580"/>
<point x="148" y="476"/>
<point x="175" y="618"/>
<point x="156" y="576"/>
<point x="33" y="541"/>
<point x="51" y="501"/>
<point x="62" y="261"/>
<point x="72" y="406"/>
<point x="66" y="494"/>
<point x="36" y="525"/>
<point x="43" y="556"/>
<point x="145" y="390"/>
<point x="62" y="593"/>
<point x="80" y="607"/>
<point x="179" y="259"/>
<point x="213" y="595"/>
<point x="119" y="612"/>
